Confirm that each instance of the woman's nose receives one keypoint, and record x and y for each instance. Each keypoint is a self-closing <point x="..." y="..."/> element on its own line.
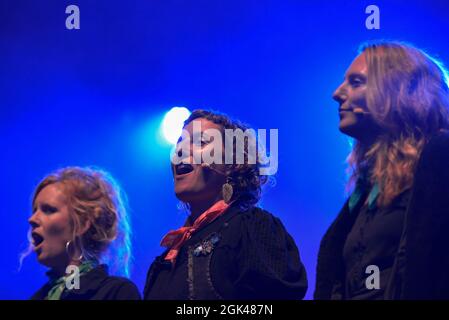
<point x="340" y="94"/>
<point x="33" y="221"/>
<point x="183" y="149"/>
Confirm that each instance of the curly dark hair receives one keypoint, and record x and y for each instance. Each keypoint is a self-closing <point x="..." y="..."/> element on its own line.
<point x="245" y="178"/>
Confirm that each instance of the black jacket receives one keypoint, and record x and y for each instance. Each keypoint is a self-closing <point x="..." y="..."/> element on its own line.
<point x="96" y="285"/>
<point x="243" y="254"/>
<point x="424" y="256"/>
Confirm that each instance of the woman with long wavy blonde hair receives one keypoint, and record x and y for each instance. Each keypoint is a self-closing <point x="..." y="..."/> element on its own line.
<point x="385" y="243"/>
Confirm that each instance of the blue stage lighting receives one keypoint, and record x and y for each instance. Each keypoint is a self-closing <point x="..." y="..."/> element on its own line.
<point x="173" y="122"/>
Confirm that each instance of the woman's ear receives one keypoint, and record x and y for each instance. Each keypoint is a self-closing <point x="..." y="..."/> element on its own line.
<point x="84" y="228"/>
<point x="228" y="169"/>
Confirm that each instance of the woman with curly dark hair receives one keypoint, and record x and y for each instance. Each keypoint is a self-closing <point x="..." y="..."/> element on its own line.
<point x="228" y="248"/>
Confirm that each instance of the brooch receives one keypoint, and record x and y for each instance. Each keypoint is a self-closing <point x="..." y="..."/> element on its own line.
<point x="206" y="246"/>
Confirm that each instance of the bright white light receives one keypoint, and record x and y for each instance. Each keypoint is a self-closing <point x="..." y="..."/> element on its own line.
<point x="173" y="123"/>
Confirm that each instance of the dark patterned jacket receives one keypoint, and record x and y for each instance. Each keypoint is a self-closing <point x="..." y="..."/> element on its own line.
<point x="243" y="254"/>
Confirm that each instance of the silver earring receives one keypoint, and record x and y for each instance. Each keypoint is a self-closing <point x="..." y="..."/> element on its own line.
<point x="67" y="245"/>
<point x="227" y="191"/>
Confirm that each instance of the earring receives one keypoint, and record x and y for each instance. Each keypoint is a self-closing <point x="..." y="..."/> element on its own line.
<point x="67" y="245"/>
<point x="227" y="191"/>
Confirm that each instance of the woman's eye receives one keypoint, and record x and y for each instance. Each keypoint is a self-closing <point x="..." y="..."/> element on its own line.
<point x="356" y="83"/>
<point x="48" y="209"/>
<point x="200" y="143"/>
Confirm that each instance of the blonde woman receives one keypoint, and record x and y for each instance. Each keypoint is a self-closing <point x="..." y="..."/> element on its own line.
<point x="79" y="223"/>
<point x="390" y="239"/>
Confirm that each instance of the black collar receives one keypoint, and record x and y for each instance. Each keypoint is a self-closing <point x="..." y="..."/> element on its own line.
<point x="89" y="282"/>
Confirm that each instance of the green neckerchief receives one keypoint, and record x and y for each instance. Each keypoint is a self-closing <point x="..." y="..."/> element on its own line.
<point x="362" y="186"/>
<point x="372" y="197"/>
<point x="58" y="285"/>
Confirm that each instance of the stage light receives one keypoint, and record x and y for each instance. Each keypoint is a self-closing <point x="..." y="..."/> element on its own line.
<point x="173" y="122"/>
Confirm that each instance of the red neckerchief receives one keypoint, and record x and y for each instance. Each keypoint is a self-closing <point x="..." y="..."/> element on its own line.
<point x="175" y="239"/>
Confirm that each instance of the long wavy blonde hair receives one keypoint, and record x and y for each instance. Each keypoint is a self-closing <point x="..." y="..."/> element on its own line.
<point x="408" y="98"/>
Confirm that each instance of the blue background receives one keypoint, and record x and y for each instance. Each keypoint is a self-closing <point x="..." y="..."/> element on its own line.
<point x="96" y="96"/>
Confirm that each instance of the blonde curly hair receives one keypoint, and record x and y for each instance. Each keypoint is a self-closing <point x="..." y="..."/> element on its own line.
<point x="95" y="199"/>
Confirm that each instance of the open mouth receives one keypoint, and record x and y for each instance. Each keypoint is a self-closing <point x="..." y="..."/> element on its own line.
<point x="183" y="168"/>
<point x="37" y="239"/>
